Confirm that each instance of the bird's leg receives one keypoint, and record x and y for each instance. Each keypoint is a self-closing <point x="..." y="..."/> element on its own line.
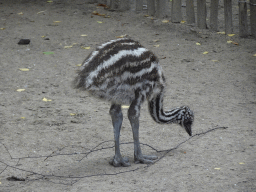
<point x="133" y="115"/>
<point x="117" y="119"/>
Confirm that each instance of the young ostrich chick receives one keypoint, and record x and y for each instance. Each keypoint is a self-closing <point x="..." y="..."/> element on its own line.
<point x="123" y="72"/>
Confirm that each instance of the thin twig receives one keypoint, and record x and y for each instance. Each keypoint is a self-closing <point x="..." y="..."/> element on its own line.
<point x="78" y="178"/>
<point x="7" y="150"/>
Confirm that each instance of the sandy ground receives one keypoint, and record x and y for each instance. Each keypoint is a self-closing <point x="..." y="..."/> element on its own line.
<point x="57" y="139"/>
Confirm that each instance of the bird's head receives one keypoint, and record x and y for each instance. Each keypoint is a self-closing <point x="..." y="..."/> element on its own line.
<point x="187" y="118"/>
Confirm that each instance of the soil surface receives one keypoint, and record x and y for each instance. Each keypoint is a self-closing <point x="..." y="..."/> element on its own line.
<point x="55" y="138"/>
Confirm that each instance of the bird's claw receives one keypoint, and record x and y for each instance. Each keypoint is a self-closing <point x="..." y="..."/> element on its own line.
<point x="145" y="159"/>
<point x="120" y="162"/>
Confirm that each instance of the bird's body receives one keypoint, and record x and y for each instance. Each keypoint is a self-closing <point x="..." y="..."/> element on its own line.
<point x="122" y="72"/>
<point x="117" y="69"/>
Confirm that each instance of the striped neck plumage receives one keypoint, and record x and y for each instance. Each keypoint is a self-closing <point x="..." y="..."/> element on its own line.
<point x="158" y="114"/>
<point x="181" y="115"/>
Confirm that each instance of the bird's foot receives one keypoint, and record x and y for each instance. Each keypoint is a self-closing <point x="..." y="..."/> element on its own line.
<point x="120" y="162"/>
<point x="145" y="159"/>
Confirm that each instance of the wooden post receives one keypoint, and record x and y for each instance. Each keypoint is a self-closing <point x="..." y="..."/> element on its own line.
<point x="201" y="14"/>
<point x="151" y="7"/>
<point x="176" y="11"/>
<point x="214" y="15"/>
<point x="124" y="5"/>
<point x="253" y="17"/>
<point x="113" y="4"/>
<point x="102" y="1"/>
<point x="161" y="8"/>
<point x="228" y="16"/>
<point x="243" y="26"/>
<point x="190" y="11"/>
<point x="139" y="5"/>
<point x="90" y="1"/>
<point x="117" y="5"/>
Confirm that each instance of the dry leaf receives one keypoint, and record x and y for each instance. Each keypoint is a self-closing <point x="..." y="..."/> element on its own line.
<point x="83" y="35"/>
<point x="40" y="12"/>
<point x="241" y="163"/>
<point x="23" y="117"/>
<point x="72" y="114"/>
<point x="85" y="47"/>
<point x="205" y="52"/>
<point x="24" y="69"/>
<point x="231" y="35"/>
<point x="79" y="65"/>
<point x="217" y="168"/>
<point x="65" y="47"/>
<point x="122" y="36"/>
<point x="20" y="13"/>
<point x="20" y="90"/>
<point x="198" y="43"/>
<point x="96" y="13"/>
<point x="156" y="45"/>
<point x="235" y="43"/>
<point x="254" y="55"/>
<point x="99" y="21"/>
<point x="221" y="32"/>
<point x="2" y="28"/>
<point x="146" y="15"/>
<point x="165" y="21"/>
<point x="102" y="5"/>
<point x="46" y="100"/>
<point x="183" y="22"/>
<point x="125" y="106"/>
<point x="56" y="21"/>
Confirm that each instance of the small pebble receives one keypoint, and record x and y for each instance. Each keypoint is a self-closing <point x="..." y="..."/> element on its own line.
<point x="24" y="42"/>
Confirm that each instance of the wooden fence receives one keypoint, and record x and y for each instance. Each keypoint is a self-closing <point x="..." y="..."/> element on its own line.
<point x="158" y="8"/>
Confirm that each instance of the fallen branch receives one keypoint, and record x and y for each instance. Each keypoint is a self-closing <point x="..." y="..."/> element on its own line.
<point x="75" y="179"/>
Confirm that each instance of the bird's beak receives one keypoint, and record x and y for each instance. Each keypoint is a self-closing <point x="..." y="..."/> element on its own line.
<point x="188" y="129"/>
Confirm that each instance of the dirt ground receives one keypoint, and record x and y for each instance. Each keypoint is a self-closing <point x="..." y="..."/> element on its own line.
<point x="53" y="138"/>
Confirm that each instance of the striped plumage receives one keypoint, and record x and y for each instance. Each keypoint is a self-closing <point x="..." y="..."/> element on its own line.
<point x="122" y="71"/>
<point x="116" y="69"/>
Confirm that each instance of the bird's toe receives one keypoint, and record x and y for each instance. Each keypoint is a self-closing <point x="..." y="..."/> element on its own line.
<point x="145" y="159"/>
<point x="120" y="162"/>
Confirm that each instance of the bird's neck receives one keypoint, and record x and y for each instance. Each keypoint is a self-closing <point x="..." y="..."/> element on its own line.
<point x="155" y="106"/>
